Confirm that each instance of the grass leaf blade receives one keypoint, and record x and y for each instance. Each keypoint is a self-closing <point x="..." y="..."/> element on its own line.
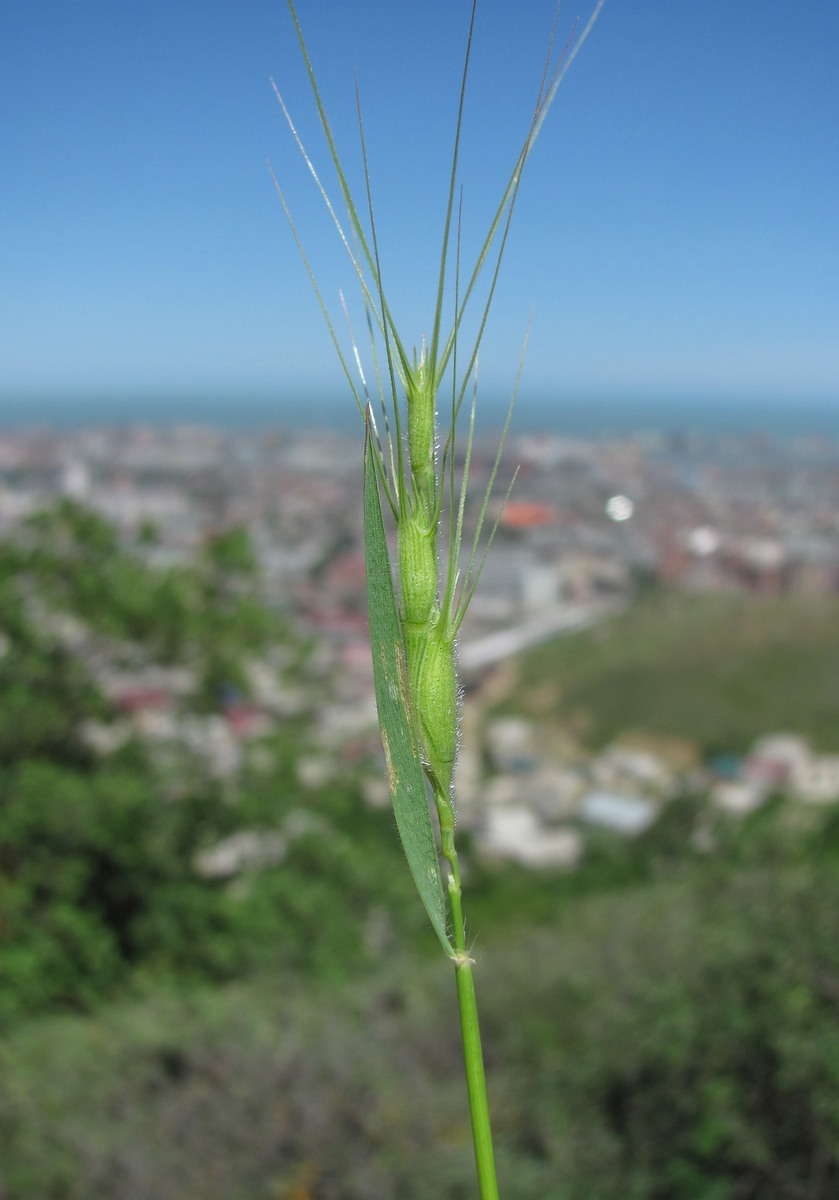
<point x="404" y="767"/>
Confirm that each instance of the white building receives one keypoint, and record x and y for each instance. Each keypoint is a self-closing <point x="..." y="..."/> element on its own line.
<point x="738" y="796"/>
<point x="817" y="779"/>
<point x="514" y="833"/>
<point x="625" y="814"/>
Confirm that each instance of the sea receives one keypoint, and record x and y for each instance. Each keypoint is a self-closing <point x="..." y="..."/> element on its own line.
<point x="566" y="415"/>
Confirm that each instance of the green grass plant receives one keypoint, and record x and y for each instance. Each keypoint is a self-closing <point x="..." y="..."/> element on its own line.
<point x="409" y="472"/>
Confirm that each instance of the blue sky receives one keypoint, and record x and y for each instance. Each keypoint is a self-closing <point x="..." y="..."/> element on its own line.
<point x="676" y="233"/>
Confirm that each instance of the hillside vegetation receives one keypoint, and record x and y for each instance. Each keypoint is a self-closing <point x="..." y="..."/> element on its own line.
<point x="720" y="670"/>
<point x="673" y="1041"/>
<point x="661" y="1024"/>
<point x="98" y="852"/>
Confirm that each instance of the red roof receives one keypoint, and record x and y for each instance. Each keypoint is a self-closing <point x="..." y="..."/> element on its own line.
<point x="524" y="514"/>
<point x="141" y="698"/>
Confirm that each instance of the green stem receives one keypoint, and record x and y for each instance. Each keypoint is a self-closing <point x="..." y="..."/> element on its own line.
<point x="473" y="1056"/>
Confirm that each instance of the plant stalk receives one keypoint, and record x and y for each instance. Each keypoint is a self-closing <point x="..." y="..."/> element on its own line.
<point x="473" y="1056"/>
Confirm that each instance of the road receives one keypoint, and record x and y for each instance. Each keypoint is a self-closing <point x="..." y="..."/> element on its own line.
<point x="564" y="618"/>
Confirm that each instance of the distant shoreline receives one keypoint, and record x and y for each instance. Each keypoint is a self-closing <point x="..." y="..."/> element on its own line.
<point x="573" y="417"/>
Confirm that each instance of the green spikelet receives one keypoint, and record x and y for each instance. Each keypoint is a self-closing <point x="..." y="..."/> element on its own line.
<point x="417" y="548"/>
<point x="436" y="706"/>
<point x="420" y="394"/>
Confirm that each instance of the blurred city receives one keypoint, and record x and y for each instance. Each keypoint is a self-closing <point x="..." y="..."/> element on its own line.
<point x="590" y="526"/>
<point x="195" y="808"/>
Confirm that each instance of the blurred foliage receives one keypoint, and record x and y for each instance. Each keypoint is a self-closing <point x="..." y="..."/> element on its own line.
<point x="208" y="612"/>
<point x="98" y="878"/>
<point x="675" y="1040"/>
